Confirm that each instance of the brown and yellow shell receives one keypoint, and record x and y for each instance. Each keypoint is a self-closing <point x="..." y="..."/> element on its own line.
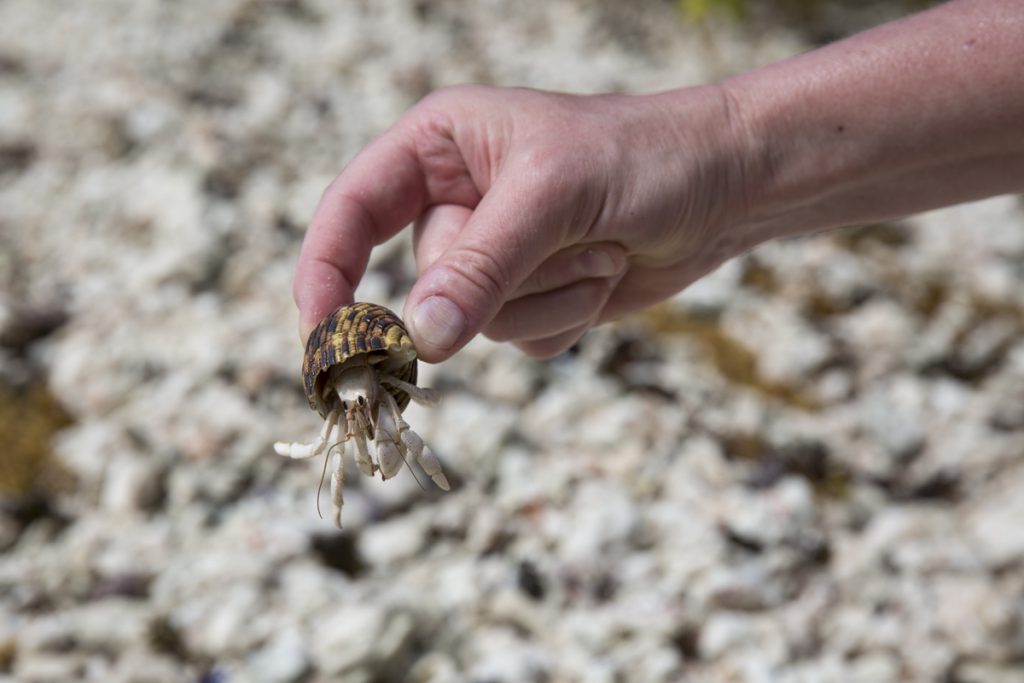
<point x="358" y="334"/>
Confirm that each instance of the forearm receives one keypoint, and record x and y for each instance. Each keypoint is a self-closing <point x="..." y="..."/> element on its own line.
<point x="914" y="115"/>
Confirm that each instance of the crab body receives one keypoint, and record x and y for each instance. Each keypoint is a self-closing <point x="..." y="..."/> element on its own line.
<point x="359" y="372"/>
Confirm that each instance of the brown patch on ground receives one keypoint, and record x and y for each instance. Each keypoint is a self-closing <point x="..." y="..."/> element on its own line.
<point x="29" y="418"/>
<point x="733" y="359"/>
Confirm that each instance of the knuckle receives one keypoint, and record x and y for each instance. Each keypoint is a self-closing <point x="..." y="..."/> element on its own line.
<point x="549" y="166"/>
<point x="447" y="99"/>
<point x="331" y="189"/>
<point x="563" y="181"/>
<point x="482" y="271"/>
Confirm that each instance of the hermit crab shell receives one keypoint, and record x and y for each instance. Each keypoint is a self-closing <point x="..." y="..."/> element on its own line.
<point x="356" y="335"/>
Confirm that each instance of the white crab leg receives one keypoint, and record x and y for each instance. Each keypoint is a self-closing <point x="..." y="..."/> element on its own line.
<point x="338" y="434"/>
<point x="389" y="457"/>
<point x="396" y="412"/>
<point x="414" y="445"/>
<point x="432" y="466"/>
<point x="422" y="395"/>
<point x="337" y="482"/>
<point x="363" y="460"/>
<point x="362" y="454"/>
<point x="308" y="450"/>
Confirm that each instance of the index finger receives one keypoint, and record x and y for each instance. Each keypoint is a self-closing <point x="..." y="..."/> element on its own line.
<point x="376" y="195"/>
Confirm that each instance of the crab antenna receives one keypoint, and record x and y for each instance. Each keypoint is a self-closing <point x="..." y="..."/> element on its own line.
<point x="409" y="467"/>
<point x="323" y="475"/>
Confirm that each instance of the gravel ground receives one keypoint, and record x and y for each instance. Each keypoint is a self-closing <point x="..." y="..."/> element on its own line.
<point x="806" y="468"/>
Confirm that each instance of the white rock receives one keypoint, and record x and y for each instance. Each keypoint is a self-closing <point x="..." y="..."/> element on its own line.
<point x="784" y="513"/>
<point x="725" y="632"/>
<point x="346" y="639"/>
<point x="360" y="639"/>
<point x="508" y="376"/>
<point x="994" y="522"/>
<point x="110" y="625"/>
<point x="283" y="659"/>
<point x="141" y="665"/>
<point x="786" y="346"/>
<point x="131" y="484"/>
<point x="985" y="672"/>
<point x="975" y="618"/>
<point x="603" y="519"/>
<point x="715" y="291"/>
<point x="643" y="660"/>
<point x="874" y="667"/>
<point x="918" y="540"/>
<point x="881" y="333"/>
<point x="393" y="541"/>
<point x="892" y="415"/>
<point x="229" y="622"/>
<point x="47" y="668"/>
<point x="503" y="658"/>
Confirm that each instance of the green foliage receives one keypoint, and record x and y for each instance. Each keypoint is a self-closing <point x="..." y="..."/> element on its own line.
<point x="700" y="10"/>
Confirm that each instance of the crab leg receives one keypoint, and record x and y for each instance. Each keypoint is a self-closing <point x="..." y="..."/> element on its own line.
<point x="422" y="395"/>
<point x="362" y="454"/>
<point x="412" y="443"/>
<point x="309" y="450"/>
<point x="432" y="466"/>
<point x="337" y="482"/>
<point x="389" y="455"/>
<point x="363" y="460"/>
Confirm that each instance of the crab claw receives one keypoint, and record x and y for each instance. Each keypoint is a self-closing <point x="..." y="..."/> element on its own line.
<point x="389" y="454"/>
<point x="389" y="458"/>
<point x="425" y="457"/>
<point x="412" y="442"/>
<point x="432" y="466"/>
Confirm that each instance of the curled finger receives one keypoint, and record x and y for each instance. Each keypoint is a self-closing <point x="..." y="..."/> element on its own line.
<point x="549" y="347"/>
<point x="539" y="316"/>
<point x="578" y="262"/>
<point x="436" y="230"/>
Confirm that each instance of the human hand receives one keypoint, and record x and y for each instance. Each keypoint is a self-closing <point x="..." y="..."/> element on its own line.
<point x="537" y="215"/>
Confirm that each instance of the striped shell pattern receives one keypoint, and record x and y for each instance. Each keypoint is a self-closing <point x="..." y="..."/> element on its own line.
<point x="357" y="334"/>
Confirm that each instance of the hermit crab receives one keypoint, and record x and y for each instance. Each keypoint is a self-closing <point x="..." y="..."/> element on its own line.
<point x="359" y="372"/>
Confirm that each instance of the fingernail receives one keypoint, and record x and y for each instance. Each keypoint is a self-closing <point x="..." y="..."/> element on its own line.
<point x="597" y="263"/>
<point x="439" y="322"/>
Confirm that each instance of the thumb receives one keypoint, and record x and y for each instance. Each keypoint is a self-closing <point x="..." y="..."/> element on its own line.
<point x="504" y="241"/>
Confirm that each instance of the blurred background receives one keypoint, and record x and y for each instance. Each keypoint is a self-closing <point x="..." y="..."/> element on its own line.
<point x="807" y="467"/>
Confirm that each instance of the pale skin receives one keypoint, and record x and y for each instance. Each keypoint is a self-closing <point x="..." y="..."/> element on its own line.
<point x="538" y="215"/>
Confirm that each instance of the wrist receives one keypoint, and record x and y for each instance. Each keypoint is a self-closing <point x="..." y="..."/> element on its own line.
<point x="906" y="117"/>
<point x="790" y="159"/>
<point x="718" y="168"/>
